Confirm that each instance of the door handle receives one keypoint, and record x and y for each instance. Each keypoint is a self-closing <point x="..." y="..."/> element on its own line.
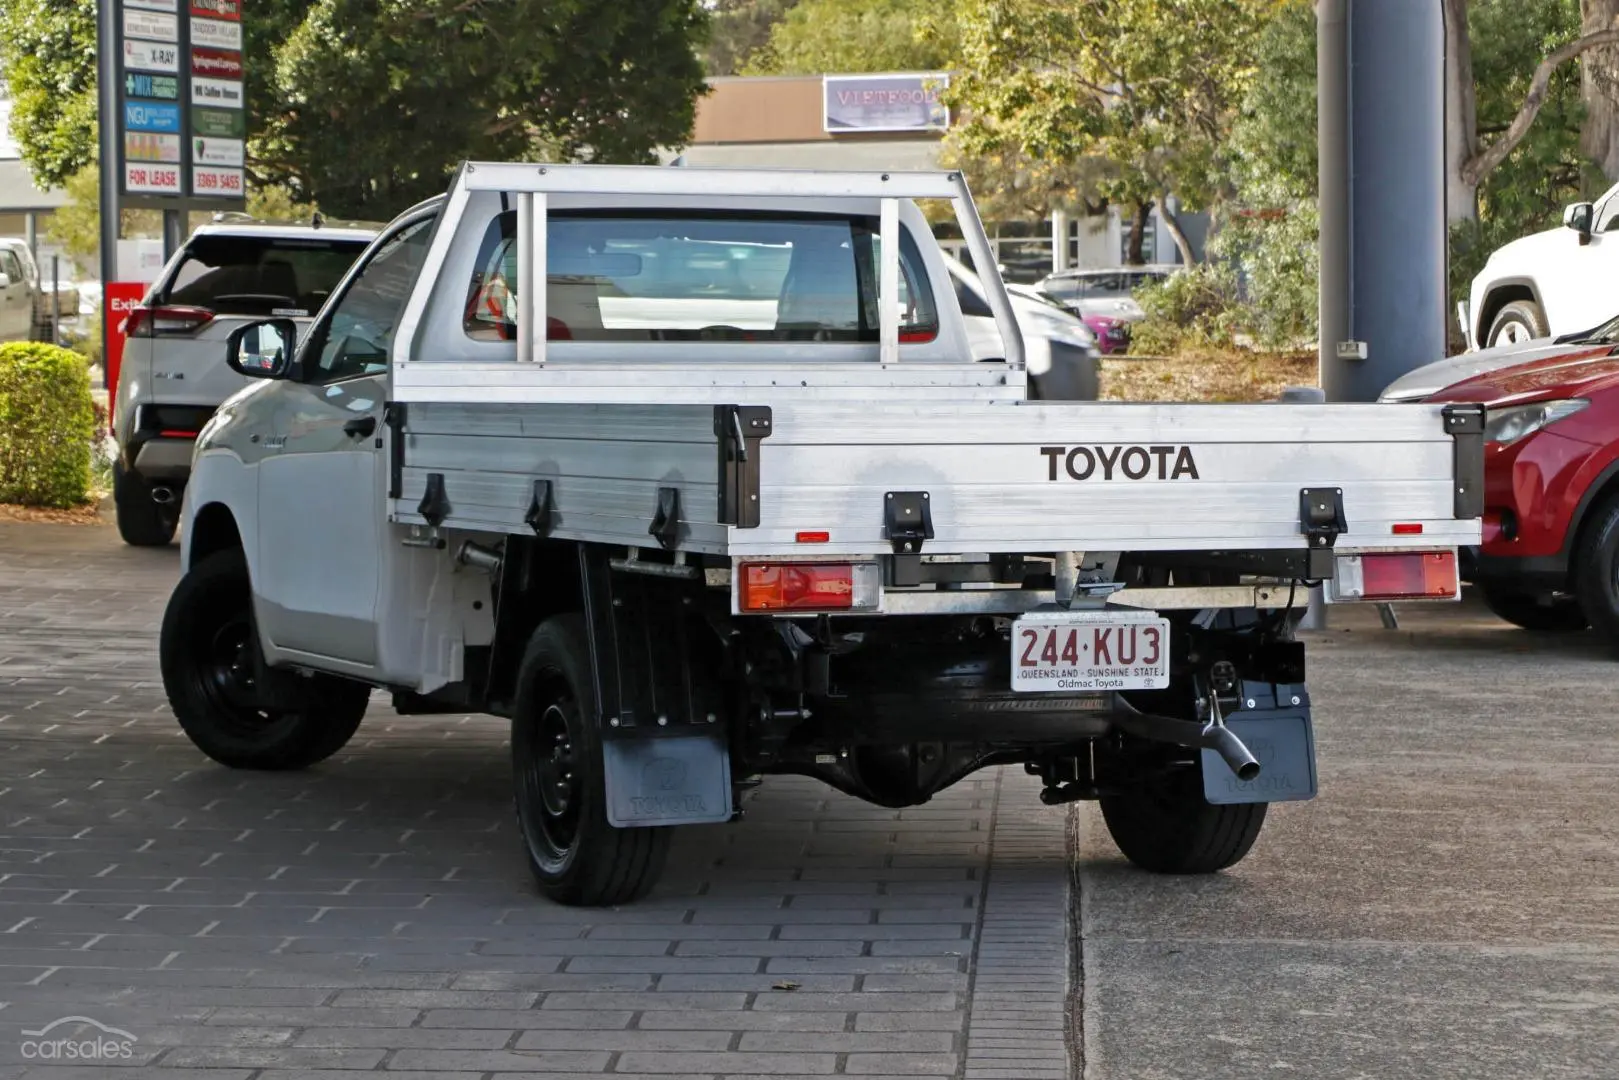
<point x="360" y="427"/>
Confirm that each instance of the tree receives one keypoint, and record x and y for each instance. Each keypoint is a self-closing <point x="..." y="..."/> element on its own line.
<point x="738" y="28"/>
<point x="1148" y="87"/>
<point x="1599" y="89"/>
<point x="382" y="98"/>
<point x="829" y="36"/>
<point x="1516" y="52"/>
<point x="48" y="57"/>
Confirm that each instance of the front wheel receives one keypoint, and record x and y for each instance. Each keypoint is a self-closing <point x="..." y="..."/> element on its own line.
<point x="1545" y="614"/>
<point x="1168" y="827"/>
<point x="1596" y="569"/>
<point x="1519" y="321"/>
<point x="209" y="656"/>
<point x="576" y="856"/>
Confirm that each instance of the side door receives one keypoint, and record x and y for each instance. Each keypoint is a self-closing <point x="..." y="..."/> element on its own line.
<point x="321" y="481"/>
<point x="16" y="305"/>
<point x="1585" y="296"/>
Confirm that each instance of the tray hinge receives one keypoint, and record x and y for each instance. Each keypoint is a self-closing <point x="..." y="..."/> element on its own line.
<point x="907" y="520"/>
<point x="739" y="429"/>
<point x="666" y="521"/>
<point x="542" y="511"/>
<point x="1465" y="425"/>
<point x="1321" y="519"/>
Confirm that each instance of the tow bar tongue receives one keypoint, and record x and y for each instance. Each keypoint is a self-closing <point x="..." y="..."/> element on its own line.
<point x="1215" y="735"/>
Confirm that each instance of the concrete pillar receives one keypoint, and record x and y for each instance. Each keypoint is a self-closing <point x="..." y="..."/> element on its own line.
<point x="1059" y="240"/>
<point x="1381" y="68"/>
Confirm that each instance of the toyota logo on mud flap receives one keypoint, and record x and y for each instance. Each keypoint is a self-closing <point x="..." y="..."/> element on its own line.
<point x="663" y="774"/>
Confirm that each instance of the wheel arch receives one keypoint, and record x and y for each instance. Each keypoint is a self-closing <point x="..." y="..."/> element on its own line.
<point x="1602" y="490"/>
<point x="212" y="529"/>
<point x="1502" y="292"/>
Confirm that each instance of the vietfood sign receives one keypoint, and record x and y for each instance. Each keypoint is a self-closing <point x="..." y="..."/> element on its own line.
<point x="884" y="102"/>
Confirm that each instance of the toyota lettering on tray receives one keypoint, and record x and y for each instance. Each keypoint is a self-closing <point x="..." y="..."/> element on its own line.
<point x="216" y="92"/>
<point x="152" y="179"/>
<point x="151" y="56"/>
<point x="216" y="34"/>
<point x="221" y="183"/>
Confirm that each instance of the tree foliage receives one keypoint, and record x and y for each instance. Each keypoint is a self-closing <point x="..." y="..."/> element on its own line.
<point x="48" y="56"/>
<point x="382" y="98"/>
<point x="1149" y="87"/>
<point x="851" y="36"/>
<point x="738" y="28"/>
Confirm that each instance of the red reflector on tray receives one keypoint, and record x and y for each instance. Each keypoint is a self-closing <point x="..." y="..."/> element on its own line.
<point x="1402" y="575"/>
<point x="1408" y="530"/>
<point x="812" y="537"/>
<point x="797" y="587"/>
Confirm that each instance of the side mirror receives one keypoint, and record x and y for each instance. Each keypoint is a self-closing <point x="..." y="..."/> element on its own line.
<point x="263" y="349"/>
<point x="1578" y="218"/>
<point x="5" y="280"/>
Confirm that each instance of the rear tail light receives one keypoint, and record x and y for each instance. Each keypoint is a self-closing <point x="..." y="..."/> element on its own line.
<point x="1402" y="575"/>
<point x="165" y="319"/>
<point x="803" y="586"/>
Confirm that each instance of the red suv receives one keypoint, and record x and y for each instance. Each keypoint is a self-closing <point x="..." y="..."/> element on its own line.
<point x="1550" y="557"/>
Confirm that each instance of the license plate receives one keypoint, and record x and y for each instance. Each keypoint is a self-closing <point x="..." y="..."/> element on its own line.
<point x="1090" y="650"/>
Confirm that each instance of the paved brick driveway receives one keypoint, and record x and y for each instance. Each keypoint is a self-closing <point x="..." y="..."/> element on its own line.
<point x="374" y="913"/>
<point x="1448" y="908"/>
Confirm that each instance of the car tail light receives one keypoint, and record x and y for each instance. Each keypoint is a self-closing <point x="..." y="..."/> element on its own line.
<point x="1401" y="575"/>
<point x="164" y="320"/>
<point x="802" y="586"/>
<point x="917" y="335"/>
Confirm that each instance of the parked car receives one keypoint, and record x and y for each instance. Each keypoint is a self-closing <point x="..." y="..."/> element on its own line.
<point x="174" y="374"/>
<point x="1551" y="283"/>
<point x="1059" y="349"/>
<point x="25" y="300"/>
<point x="1550" y="553"/>
<point x="1103" y="292"/>
<point x="1428" y="380"/>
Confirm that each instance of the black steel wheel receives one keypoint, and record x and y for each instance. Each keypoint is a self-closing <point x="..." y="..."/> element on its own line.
<point x="575" y="855"/>
<point x="1168" y="827"/>
<point x="209" y="658"/>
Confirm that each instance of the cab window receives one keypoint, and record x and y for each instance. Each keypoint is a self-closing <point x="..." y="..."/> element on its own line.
<point x="662" y="276"/>
<point x="357" y="336"/>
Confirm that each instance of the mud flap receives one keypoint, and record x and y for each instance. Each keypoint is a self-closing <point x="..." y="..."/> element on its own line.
<point x="674" y="780"/>
<point x="1284" y="743"/>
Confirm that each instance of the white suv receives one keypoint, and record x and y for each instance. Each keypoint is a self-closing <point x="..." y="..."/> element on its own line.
<point x="1551" y="283"/>
<point x="174" y="374"/>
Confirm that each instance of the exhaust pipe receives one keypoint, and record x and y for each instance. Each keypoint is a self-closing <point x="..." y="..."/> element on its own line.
<point x="1238" y="757"/>
<point x="163" y="495"/>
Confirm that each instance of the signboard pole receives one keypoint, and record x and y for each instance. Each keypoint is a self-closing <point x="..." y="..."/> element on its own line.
<point x="107" y="45"/>
<point x="174" y="232"/>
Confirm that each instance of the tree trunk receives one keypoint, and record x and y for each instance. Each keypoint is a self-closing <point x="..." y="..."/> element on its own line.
<point x="1461" y="114"/>
<point x="1599" y="89"/>
<point x="1138" y="234"/>
<point x="1173" y="224"/>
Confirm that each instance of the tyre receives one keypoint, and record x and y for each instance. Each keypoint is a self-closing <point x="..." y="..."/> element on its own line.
<point x="1520" y="320"/>
<point x="208" y="652"/>
<point x="1531" y="612"/>
<point x="557" y="772"/>
<point x="142" y="521"/>
<point x="1596" y="569"/>
<point x="1169" y="828"/>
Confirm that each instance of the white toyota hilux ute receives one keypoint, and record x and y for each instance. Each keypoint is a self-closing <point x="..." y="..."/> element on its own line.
<point x="731" y="496"/>
<point x="1551" y="284"/>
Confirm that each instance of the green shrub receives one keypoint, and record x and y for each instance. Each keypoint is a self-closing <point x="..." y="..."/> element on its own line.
<point x="47" y="422"/>
<point x="1192" y="308"/>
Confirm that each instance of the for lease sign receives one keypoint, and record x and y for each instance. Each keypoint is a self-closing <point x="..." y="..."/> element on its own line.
<point x="144" y="179"/>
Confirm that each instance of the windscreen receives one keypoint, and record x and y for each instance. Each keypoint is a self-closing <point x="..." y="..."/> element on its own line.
<point x="260" y="276"/>
<point x="661" y="276"/>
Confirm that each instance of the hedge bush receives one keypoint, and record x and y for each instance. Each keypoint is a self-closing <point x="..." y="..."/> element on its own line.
<point x="47" y="423"/>
<point x="1196" y="307"/>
